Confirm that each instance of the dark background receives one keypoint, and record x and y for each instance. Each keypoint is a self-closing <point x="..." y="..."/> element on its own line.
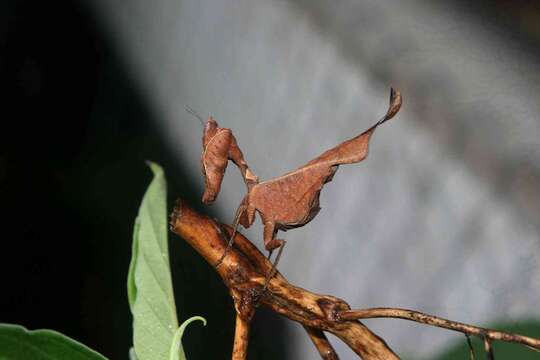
<point x="74" y="140"/>
<point x="75" y="133"/>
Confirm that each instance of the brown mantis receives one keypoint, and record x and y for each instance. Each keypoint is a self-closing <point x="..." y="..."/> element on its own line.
<point x="285" y="202"/>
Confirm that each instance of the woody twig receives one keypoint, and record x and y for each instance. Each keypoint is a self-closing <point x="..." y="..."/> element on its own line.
<point x="322" y="344"/>
<point x="244" y="269"/>
<point x="488" y="335"/>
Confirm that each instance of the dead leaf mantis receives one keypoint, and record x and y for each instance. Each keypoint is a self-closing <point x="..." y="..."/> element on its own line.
<point x="287" y="201"/>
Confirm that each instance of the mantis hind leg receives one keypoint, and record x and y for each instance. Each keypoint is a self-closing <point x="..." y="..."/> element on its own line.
<point x="271" y="243"/>
<point x="237" y="217"/>
<point x="272" y="271"/>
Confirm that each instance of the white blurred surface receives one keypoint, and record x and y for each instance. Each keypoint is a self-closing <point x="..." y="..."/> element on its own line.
<point x="421" y="223"/>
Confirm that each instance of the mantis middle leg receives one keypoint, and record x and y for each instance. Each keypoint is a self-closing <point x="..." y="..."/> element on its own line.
<point x="271" y="243"/>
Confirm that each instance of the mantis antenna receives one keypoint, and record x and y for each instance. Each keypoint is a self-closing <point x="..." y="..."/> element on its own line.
<point x="194" y="113"/>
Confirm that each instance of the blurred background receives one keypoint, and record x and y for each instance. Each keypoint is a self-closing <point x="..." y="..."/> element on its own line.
<point x="442" y="217"/>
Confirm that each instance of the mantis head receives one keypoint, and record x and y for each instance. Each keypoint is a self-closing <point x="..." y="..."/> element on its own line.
<point x="219" y="146"/>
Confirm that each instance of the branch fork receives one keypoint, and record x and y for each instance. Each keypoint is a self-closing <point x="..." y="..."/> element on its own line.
<point x="244" y="270"/>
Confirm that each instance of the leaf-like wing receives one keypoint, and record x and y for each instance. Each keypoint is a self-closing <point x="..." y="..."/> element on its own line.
<point x="300" y="189"/>
<point x="356" y="149"/>
<point x="18" y="343"/>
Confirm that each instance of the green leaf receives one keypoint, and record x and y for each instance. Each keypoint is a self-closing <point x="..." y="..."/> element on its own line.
<point x="150" y="292"/>
<point x="132" y="289"/>
<point x="18" y="343"/>
<point x="176" y="351"/>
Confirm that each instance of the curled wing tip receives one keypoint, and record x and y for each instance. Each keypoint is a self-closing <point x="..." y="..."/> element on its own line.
<point x="393" y="108"/>
<point x="395" y="103"/>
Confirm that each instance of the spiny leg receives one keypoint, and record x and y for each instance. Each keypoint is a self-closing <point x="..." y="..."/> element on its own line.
<point x="236" y="222"/>
<point x="271" y="243"/>
<point x="272" y="271"/>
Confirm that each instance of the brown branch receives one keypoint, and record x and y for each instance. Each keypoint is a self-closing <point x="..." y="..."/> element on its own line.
<point x="471" y="348"/>
<point x="322" y="344"/>
<point x="243" y="271"/>
<point x="487" y="334"/>
<point x="489" y="349"/>
<point x="241" y="338"/>
<point x="244" y="268"/>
